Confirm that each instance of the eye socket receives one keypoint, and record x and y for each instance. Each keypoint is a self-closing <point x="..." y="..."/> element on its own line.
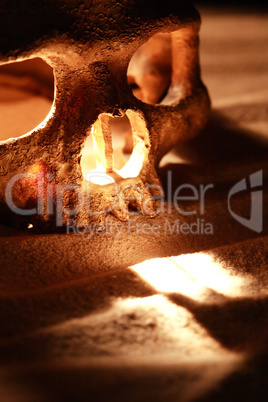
<point x="149" y="71"/>
<point x="134" y="86"/>
<point x="158" y="71"/>
<point x="26" y="96"/>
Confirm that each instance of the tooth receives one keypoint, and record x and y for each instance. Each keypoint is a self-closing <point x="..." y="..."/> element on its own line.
<point x="121" y="212"/>
<point x="98" y="222"/>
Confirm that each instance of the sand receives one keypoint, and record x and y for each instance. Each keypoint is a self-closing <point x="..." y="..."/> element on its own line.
<point x="147" y="311"/>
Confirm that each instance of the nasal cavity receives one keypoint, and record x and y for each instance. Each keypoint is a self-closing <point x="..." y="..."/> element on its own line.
<point x="116" y="148"/>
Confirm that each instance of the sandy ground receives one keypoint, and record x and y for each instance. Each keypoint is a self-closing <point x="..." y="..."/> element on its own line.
<point x="142" y="312"/>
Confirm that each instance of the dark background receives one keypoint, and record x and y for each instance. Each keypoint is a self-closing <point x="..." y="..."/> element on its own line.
<point x="242" y="4"/>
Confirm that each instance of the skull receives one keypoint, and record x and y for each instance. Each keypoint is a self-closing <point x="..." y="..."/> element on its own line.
<point x="131" y="60"/>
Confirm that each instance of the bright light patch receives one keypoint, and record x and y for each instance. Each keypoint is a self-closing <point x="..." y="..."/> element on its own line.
<point x="133" y="167"/>
<point x="191" y="274"/>
<point x="167" y="276"/>
<point x="210" y="273"/>
<point x="98" y="176"/>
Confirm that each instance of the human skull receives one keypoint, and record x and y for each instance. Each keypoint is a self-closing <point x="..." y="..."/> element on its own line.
<point x="100" y="50"/>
